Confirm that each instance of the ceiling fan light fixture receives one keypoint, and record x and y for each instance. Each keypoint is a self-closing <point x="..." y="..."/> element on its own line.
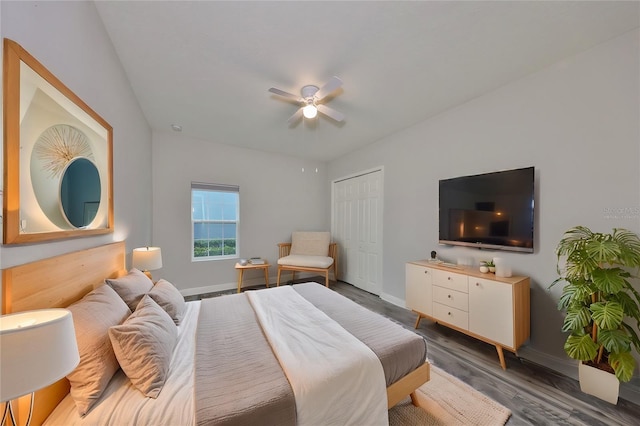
<point x="310" y="111"/>
<point x="311" y="101"/>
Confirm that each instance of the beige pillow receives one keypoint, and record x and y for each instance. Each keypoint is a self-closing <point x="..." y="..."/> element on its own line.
<point x="92" y="317"/>
<point x="143" y="346"/>
<point x="310" y="243"/>
<point x="169" y="299"/>
<point x="131" y="287"/>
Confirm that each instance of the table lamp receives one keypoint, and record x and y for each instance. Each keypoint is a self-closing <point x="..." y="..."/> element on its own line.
<point x="147" y="259"/>
<point x="37" y="348"/>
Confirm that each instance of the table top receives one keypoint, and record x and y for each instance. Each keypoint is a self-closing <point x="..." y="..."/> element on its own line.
<point x="252" y="266"/>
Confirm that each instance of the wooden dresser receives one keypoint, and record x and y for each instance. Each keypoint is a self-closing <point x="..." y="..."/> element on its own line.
<point x="493" y="309"/>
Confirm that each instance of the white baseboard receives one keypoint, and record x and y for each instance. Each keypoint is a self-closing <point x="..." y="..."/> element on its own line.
<point x="566" y="366"/>
<point x="393" y="299"/>
<point x="208" y="289"/>
<point x="246" y="282"/>
<point x="569" y="367"/>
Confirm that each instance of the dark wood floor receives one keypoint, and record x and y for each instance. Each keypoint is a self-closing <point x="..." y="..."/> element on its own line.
<point x="534" y="394"/>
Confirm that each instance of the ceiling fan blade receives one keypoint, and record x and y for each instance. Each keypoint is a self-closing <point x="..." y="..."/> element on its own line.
<point x="295" y="117"/>
<point x="285" y="94"/>
<point x="330" y="112"/>
<point x="331" y="85"/>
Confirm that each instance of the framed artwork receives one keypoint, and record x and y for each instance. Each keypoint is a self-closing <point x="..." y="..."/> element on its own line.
<point x="57" y="157"/>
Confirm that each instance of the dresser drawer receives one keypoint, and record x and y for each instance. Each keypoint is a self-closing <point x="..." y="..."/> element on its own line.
<point x="455" y="299"/>
<point x="451" y="280"/>
<point x="451" y="315"/>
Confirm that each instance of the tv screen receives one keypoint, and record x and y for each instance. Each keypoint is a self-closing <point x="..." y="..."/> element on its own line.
<point x="491" y="210"/>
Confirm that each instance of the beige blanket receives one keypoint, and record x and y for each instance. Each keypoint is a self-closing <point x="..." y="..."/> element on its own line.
<point x="238" y="381"/>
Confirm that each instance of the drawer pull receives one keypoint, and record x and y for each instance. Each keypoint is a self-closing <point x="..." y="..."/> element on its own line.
<point x="449" y="278"/>
<point x="449" y="296"/>
<point x="426" y="272"/>
<point x="449" y="313"/>
<point x="477" y="284"/>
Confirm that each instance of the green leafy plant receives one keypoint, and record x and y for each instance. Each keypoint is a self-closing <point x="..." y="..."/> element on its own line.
<point x="488" y="263"/>
<point x="598" y="297"/>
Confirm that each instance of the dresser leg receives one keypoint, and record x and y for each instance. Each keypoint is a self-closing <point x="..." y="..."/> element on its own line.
<point x="418" y="321"/>
<point x="503" y="364"/>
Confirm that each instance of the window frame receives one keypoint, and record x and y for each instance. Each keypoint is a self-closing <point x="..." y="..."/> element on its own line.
<point x="211" y="187"/>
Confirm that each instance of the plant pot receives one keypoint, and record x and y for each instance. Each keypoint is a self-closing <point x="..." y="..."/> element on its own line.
<point x="598" y="383"/>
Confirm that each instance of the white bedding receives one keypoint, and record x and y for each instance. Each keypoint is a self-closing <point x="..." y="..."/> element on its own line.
<point x="336" y="379"/>
<point x="133" y="408"/>
<point x="358" y="397"/>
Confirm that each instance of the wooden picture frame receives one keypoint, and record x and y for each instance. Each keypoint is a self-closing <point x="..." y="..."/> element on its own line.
<point x="58" y="156"/>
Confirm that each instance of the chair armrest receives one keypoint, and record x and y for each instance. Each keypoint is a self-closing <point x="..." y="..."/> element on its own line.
<point x="333" y="253"/>
<point x="333" y="250"/>
<point x="284" y="249"/>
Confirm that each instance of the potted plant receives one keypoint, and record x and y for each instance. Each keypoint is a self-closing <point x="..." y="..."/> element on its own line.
<point x="597" y="298"/>
<point x="491" y="267"/>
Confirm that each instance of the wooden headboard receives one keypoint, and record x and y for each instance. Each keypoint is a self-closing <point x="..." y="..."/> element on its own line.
<point x="57" y="282"/>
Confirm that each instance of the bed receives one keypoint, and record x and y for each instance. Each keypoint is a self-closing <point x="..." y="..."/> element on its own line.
<point x="239" y="373"/>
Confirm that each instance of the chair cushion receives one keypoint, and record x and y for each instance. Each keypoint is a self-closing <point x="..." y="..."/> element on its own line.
<point x="306" y="261"/>
<point x="310" y="243"/>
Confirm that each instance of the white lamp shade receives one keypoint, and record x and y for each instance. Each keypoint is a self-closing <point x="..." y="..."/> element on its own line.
<point x="37" y="348"/>
<point x="147" y="258"/>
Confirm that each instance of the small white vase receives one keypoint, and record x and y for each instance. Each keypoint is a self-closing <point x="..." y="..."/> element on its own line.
<point x="598" y="383"/>
<point x="484" y="269"/>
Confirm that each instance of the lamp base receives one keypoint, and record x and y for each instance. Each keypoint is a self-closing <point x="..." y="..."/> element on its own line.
<point x="8" y="409"/>
<point x="148" y="274"/>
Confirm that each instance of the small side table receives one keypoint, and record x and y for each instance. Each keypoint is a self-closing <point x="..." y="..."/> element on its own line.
<point x="241" y="269"/>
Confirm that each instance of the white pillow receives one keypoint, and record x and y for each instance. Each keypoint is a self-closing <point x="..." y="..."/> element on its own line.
<point x="92" y="316"/>
<point x="144" y="344"/>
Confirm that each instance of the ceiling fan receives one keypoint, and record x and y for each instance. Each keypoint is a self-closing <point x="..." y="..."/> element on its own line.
<point x="310" y="101"/>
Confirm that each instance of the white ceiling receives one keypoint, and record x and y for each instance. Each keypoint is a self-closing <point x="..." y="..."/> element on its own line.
<point x="207" y="66"/>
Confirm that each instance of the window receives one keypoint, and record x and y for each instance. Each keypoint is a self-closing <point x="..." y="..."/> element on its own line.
<point x="214" y="221"/>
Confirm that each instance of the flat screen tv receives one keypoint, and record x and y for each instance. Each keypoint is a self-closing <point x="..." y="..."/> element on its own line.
<point x="491" y="210"/>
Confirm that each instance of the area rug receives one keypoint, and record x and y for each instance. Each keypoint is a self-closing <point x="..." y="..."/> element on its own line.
<point x="445" y="400"/>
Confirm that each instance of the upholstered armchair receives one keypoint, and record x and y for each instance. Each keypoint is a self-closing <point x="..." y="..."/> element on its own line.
<point x="308" y="252"/>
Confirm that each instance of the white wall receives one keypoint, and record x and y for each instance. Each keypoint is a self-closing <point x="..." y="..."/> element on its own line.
<point x="69" y="39"/>
<point x="577" y="122"/>
<point x="276" y="198"/>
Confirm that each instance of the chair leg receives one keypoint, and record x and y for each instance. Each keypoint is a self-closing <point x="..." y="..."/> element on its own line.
<point x="326" y="278"/>
<point x="278" y="280"/>
<point x="293" y="276"/>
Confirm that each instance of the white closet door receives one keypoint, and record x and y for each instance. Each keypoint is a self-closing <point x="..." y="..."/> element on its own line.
<point x="357" y="228"/>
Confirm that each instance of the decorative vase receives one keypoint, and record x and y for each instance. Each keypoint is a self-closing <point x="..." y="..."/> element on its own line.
<point x="492" y="268"/>
<point x="598" y="383"/>
<point x="484" y="269"/>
